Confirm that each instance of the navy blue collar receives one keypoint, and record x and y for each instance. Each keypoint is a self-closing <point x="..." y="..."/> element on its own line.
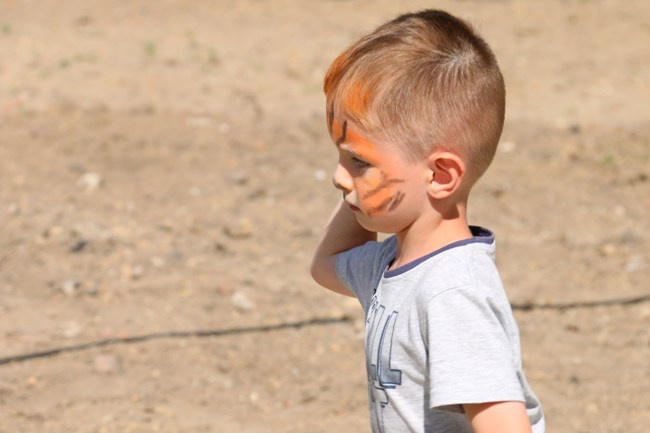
<point x="479" y="235"/>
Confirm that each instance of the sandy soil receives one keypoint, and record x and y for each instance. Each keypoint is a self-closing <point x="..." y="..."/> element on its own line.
<point x="165" y="166"/>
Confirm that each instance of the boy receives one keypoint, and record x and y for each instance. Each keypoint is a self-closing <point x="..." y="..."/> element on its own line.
<point x="416" y="110"/>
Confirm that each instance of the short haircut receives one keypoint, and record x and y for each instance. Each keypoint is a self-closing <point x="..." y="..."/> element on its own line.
<point x="423" y="81"/>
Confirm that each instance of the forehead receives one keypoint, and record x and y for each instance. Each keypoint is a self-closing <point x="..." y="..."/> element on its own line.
<point x="345" y="132"/>
<point x="348" y="137"/>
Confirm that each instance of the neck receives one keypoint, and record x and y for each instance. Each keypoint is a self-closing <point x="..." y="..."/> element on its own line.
<point x="424" y="237"/>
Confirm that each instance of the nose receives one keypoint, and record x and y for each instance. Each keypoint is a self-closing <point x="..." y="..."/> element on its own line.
<point x="342" y="179"/>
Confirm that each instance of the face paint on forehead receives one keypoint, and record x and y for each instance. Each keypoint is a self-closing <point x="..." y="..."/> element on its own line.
<point x="330" y="118"/>
<point x="330" y="126"/>
<point x="344" y="131"/>
<point x="354" y="137"/>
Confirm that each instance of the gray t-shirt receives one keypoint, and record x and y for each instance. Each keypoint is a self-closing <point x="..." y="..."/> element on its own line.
<point x="439" y="334"/>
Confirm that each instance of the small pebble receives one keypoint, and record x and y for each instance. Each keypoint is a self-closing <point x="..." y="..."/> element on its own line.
<point x="132" y="272"/>
<point x="241" y="302"/>
<point x="157" y="262"/>
<point x="574" y="128"/>
<point x="224" y="290"/>
<point x="71" y="329"/>
<point x="13" y="209"/>
<point x="89" y="182"/>
<point x="138" y="270"/>
<point x="607" y="249"/>
<point x="240" y="177"/>
<point x="635" y="264"/>
<point x="78" y="246"/>
<point x="106" y="363"/>
<point x="70" y="287"/>
<point x="241" y="229"/>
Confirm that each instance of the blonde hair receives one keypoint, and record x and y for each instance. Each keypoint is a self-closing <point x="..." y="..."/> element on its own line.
<point x="423" y="81"/>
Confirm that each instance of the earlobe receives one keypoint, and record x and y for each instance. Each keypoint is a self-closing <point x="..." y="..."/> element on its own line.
<point x="446" y="174"/>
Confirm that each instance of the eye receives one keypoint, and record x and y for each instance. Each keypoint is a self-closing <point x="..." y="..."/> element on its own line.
<point x="360" y="163"/>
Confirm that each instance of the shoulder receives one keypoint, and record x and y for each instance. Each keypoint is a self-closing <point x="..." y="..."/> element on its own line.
<point x="462" y="278"/>
<point x="470" y="296"/>
<point x="360" y="269"/>
<point x="374" y="253"/>
<point x="459" y="268"/>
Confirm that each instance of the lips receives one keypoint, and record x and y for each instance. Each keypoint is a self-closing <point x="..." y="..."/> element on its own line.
<point x="348" y="198"/>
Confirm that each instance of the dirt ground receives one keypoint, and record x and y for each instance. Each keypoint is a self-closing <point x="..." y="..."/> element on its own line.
<point x="165" y="168"/>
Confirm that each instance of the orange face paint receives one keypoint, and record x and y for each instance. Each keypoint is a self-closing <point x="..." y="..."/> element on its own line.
<point x="365" y="176"/>
<point x="375" y="179"/>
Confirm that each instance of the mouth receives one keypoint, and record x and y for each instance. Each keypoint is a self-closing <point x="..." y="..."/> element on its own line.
<point x="347" y="199"/>
<point x="353" y="207"/>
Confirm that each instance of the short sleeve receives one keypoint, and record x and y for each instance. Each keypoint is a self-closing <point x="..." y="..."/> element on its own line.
<point x="361" y="268"/>
<point x="472" y="356"/>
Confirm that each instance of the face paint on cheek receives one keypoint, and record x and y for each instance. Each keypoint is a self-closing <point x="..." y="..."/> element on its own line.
<point x="374" y="178"/>
<point x="376" y="191"/>
<point x="397" y="199"/>
<point x="380" y="203"/>
<point x="380" y="194"/>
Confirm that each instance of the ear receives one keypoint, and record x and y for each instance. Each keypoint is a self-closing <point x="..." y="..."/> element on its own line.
<point x="446" y="171"/>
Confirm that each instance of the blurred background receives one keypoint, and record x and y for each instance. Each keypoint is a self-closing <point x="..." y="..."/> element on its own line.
<point x="165" y="168"/>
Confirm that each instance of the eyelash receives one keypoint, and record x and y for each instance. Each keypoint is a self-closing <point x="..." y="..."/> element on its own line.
<point x="360" y="163"/>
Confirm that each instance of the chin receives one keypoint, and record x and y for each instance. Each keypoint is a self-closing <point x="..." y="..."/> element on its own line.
<point x="376" y="225"/>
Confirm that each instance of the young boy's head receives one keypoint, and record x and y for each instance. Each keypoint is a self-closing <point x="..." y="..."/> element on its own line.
<point x="424" y="81"/>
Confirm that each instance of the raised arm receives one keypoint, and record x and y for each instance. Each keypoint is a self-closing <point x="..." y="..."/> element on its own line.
<point x="342" y="233"/>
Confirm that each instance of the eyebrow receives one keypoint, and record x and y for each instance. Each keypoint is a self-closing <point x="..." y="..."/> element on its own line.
<point x="353" y="153"/>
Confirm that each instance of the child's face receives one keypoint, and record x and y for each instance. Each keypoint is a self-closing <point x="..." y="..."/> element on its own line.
<point x="385" y="190"/>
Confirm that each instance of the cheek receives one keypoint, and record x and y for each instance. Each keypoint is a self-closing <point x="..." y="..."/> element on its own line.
<point x="373" y="178"/>
<point x="376" y="192"/>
